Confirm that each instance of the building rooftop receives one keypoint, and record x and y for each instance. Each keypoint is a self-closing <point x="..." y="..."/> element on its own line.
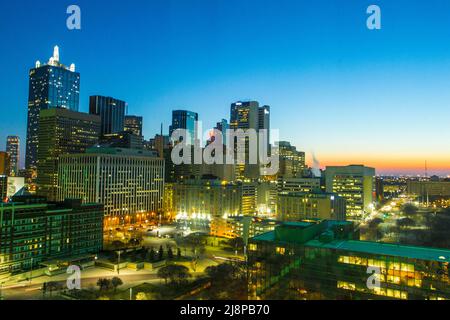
<point x="388" y="249"/>
<point x="310" y="235"/>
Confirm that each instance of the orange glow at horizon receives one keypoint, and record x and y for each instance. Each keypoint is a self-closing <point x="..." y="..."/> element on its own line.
<point x="404" y="163"/>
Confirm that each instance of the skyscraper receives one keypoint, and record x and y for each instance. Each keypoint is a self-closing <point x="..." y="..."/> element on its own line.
<point x="245" y="116"/>
<point x="62" y="132"/>
<point x="51" y="85"/>
<point x="111" y="112"/>
<point x="187" y="120"/>
<point x="133" y="124"/>
<point x="292" y="162"/>
<point x="12" y="148"/>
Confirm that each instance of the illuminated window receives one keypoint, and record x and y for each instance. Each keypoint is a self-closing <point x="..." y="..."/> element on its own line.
<point x="281" y="250"/>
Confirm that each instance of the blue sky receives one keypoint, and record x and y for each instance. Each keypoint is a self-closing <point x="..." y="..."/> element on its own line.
<point x="337" y="89"/>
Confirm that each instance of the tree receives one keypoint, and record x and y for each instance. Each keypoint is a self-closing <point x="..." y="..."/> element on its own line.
<point x="439" y="226"/>
<point x="409" y="209"/>
<point x="142" y="296"/>
<point x="237" y="243"/>
<point x="117" y="245"/>
<point x="228" y="281"/>
<point x="104" y="284"/>
<point x="405" y="222"/>
<point x="152" y="255"/>
<point x="170" y="253"/>
<point x="176" y="273"/>
<point x="161" y="253"/>
<point x="116" y="282"/>
<point x="178" y="253"/>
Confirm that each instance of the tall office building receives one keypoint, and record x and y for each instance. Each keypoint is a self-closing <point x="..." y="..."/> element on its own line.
<point x="4" y="163"/>
<point x="62" y="132"/>
<point x="187" y="120"/>
<point x="264" y="117"/>
<point x="133" y="124"/>
<point x="13" y="149"/>
<point x="51" y="85"/>
<point x="111" y="112"/>
<point x="354" y="183"/>
<point x="245" y="116"/>
<point x="125" y="181"/>
<point x="292" y="162"/>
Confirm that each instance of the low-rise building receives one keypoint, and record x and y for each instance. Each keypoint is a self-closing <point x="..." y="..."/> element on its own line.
<point x="33" y="231"/>
<point x="296" y="206"/>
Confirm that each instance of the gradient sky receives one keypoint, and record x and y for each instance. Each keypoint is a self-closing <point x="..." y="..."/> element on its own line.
<point x="337" y="90"/>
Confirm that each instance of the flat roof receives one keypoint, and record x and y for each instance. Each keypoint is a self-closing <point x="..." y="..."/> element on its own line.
<point x="388" y="249"/>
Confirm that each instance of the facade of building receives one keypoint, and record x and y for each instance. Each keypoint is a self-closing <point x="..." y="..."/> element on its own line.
<point x="9" y="186"/>
<point x="5" y="163"/>
<point x="125" y="181"/>
<point x="111" y="112"/>
<point x="51" y="85"/>
<point x="296" y="206"/>
<point x="61" y="132"/>
<point x="133" y="124"/>
<point x="124" y="139"/>
<point x="245" y="116"/>
<point x="244" y="227"/>
<point x="185" y="120"/>
<point x="354" y="183"/>
<point x="426" y="189"/>
<point x="13" y="149"/>
<point x="305" y="185"/>
<point x="206" y="198"/>
<point x="292" y="162"/>
<point x="325" y="260"/>
<point x="33" y="231"/>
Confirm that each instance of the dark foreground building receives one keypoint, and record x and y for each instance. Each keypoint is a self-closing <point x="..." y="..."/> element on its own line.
<point x="33" y="231"/>
<point x="326" y="261"/>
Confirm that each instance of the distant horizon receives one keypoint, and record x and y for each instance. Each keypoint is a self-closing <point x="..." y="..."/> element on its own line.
<point x="338" y="91"/>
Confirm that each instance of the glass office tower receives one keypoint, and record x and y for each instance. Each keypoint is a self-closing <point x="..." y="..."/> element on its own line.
<point x="51" y="85"/>
<point x="111" y="111"/>
<point x="183" y="119"/>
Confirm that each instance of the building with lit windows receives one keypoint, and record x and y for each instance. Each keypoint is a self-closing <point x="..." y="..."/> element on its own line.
<point x="111" y="112"/>
<point x="13" y="149"/>
<point x="245" y="115"/>
<point x="185" y="120"/>
<point x="244" y="227"/>
<point x="124" y="139"/>
<point x="33" y="231"/>
<point x="296" y="206"/>
<point x="305" y="185"/>
<point x="206" y="198"/>
<point x="292" y="162"/>
<point x="133" y="124"/>
<point x="354" y="183"/>
<point x="51" y="85"/>
<point x="126" y="181"/>
<point x="4" y="163"/>
<point x="325" y="260"/>
<point x="427" y="189"/>
<point x="61" y="132"/>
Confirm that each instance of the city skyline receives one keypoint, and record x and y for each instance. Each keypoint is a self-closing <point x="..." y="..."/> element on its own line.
<point x="379" y="87"/>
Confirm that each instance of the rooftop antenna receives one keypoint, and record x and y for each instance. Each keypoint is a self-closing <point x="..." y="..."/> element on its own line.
<point x="161" y="129"/>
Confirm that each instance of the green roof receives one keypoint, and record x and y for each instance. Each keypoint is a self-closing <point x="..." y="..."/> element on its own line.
<point x="388" y="249"/>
